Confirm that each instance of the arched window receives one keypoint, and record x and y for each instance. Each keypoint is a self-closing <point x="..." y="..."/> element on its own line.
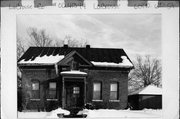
<point x="35" y="88"/>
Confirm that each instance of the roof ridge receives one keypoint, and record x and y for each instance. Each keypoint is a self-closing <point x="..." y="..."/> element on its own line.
<point x="78" y="47"/>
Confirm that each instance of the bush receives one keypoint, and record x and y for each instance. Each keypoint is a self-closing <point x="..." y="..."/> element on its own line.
<point x="89" y="106"/>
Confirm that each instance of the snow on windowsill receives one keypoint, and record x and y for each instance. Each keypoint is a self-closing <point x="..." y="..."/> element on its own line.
<point x="114" y="100"/>
<point x="52" y="99"/>
<point x="35" y="99"/>
<point x="97" y="100"/>
<point x="125" y="63"/>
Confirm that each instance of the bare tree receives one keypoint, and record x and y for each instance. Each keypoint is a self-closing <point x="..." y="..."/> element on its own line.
<point x="73" y="42"/>
<point x="147" y="71"/>
<point x="39" y="38"/>
<point x="20" y="48"/>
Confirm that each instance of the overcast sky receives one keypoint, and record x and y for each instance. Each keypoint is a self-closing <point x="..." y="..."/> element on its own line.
<point x="136" y="34"/>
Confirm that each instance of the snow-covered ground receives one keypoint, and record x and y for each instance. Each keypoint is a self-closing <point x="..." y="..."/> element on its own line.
<point x="101" y="113"/>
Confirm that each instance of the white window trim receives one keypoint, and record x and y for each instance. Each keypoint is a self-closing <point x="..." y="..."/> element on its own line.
<point x="114" y="100"/>
<point x="52" y="99"/>
<point x="35" y="99"/>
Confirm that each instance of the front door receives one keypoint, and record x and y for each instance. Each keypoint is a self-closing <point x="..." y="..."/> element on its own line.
<point x="74" y="95"/>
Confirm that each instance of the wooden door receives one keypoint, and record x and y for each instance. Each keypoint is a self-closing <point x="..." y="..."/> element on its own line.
<point x="74" y="96"/>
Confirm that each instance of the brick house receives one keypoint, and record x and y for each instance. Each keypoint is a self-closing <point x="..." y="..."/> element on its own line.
<point x="70" y="77"/>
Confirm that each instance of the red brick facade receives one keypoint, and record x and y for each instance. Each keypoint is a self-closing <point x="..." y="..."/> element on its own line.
<point x="104" y="76"/>
<point x="71" y="77"/>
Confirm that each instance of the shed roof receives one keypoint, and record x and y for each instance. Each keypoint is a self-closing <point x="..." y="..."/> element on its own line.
<point x="148" y="90"/>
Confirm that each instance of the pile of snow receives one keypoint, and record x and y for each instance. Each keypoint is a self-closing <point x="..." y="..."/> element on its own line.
<point x="73" y="72"/>
<point x="125" y="63"/>
<point x="44" y="60"/>
<point x="33" y="115"/>
<point x="101" y="113"/>
<point x="53" y="114"/>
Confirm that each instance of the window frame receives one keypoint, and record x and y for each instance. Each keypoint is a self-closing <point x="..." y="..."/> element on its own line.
<point x="100" y="96"/>
<point x="33" y="91"/>
<point x="117" y="92"/>
<point x="76" y="90"/>
<point x="48" y="97"/>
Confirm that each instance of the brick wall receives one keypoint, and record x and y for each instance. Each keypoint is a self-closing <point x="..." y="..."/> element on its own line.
<point x="42" y="75"/>
<point x="106" y="77"/>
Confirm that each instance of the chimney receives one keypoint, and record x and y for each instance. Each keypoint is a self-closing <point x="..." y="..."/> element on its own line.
<point x="65" y="45"/>
<point x="87" y="46"/>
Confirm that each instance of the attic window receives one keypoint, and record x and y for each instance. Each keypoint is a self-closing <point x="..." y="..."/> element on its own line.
<point x="74" y="65"/>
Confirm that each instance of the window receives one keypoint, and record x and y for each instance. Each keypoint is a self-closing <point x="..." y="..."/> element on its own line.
<point x="97" y="91"/>
<point x="113" y="91"/>
<point x="52" y="91"/>
<point x="76" y="90"/>
<point x="35" y="90"/>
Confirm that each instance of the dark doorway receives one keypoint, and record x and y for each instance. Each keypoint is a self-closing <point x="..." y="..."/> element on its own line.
<point x="74" y="92"/>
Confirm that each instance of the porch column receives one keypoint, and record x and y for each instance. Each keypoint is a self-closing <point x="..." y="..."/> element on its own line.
<point x="84" y="90"/>
<point x="63" y="93"/>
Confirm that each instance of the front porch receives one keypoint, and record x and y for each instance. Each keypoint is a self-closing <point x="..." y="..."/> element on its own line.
<point x="73" y="90"/>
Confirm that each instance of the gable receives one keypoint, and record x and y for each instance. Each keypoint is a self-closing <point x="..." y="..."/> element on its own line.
<point x="74" y="57"/>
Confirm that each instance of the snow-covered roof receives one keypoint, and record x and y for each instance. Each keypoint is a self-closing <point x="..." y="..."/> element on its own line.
<point x="74" y="72"/>
<point x="149" y="90"/>
<point x="43" y="60"/>
<point x="125" y="63"/>
<point x="98" y="57"/>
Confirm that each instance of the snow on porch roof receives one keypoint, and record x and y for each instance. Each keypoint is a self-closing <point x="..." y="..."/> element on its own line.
<point x="74" y="72"/>
<point x="149" y="90"/>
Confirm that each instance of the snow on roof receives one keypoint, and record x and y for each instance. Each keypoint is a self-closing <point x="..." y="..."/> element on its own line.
<point x="149" y="90"/>
<point x="125" y="63"/>
<point x="44" y="60"/>
<point x="74" y="72"/>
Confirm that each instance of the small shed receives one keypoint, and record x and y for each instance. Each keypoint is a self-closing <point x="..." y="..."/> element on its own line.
<point x="149" y="97"/>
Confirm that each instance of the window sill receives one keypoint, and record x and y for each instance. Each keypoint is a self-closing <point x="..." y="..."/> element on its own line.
<point x="97" y="100"/>
<point x="114" y="100"/>
<point x="35" y="99"/>
<point x="52" y="99"/>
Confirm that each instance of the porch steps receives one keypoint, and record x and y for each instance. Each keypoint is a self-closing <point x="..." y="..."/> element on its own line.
<point x="73" y="113"/>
